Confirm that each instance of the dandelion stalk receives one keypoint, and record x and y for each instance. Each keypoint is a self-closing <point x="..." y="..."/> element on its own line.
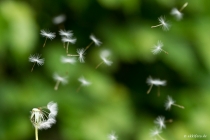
<point x="36" y="133"/>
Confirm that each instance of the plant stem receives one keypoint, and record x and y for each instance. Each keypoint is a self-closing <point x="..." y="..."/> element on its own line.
<point x="99" y="64"/>
<point x="36" y="133"/>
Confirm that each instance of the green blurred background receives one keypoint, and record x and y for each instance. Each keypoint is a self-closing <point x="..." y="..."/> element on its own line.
<point x="116" y="100"/>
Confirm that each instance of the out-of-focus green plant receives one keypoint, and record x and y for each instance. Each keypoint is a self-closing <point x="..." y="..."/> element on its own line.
<point x="116" y="101"/>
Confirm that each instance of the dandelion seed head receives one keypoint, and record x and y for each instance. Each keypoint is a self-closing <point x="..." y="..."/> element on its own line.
<point x="63" y="80"/>
<point x="42" y="119"/>
<point x="84" y="82"/>
<point x="53" y="107"/>
<point x="155" y="82"/>
<point x="81" y="53"/>
<point x="169" y="103"/>
<point x="66" y="33"/>
<point x="160" y="121"/>
<point x="36" y="59"/>
<point x="47" y="34"/>
<point x="165" y="25"/>
<point x="70" y="60"/>
<point x="95" y="40"/>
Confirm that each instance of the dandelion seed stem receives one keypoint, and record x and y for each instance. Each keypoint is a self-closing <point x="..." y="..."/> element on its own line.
<point x="164" y="51"/>
<point x="156" y="25"/>
<point x="72" y="55"/>
<point x="36" y="133"/>
<point x="168" y="121"/>
<point x="78" y="89"/>
<point x="56" y="85"/>
<point x="178" y="106"/>
<point x="64" y="45"/>
<point x="185" y="5"/>
<point x="33" y="67"/>
<point x="67" y="48"/>
<point x="45" y="42"/>
<point x="149" y="89"/>
<point x="160" y="137"/>
<point x="99" y="64"/>
<point x="88" y="46"/>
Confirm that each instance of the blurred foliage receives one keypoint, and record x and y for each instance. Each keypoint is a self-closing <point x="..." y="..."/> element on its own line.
<point x="116" y="100"/>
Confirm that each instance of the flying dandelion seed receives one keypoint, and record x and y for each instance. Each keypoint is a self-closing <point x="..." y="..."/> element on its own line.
<point x="104" y="54"/>
<point x="156" y="133"/>
<point x="43" y="117"/>
<point x="155" y="82"/>
<point x="47" y="35"/>
<point x="177" y="13"/>
<point x="59" y="19"/>
<point x="80" y="54"/>
<point x="158" y="48"/>
<point x="171" y="102"/>
<point x="59" y="80"/>
<point x="94" y="40"/>
<point x="36" y="60"/>
<point x="68" y="40"/>
<point x="163" y="23"/>
<point x="83" y="82"/>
